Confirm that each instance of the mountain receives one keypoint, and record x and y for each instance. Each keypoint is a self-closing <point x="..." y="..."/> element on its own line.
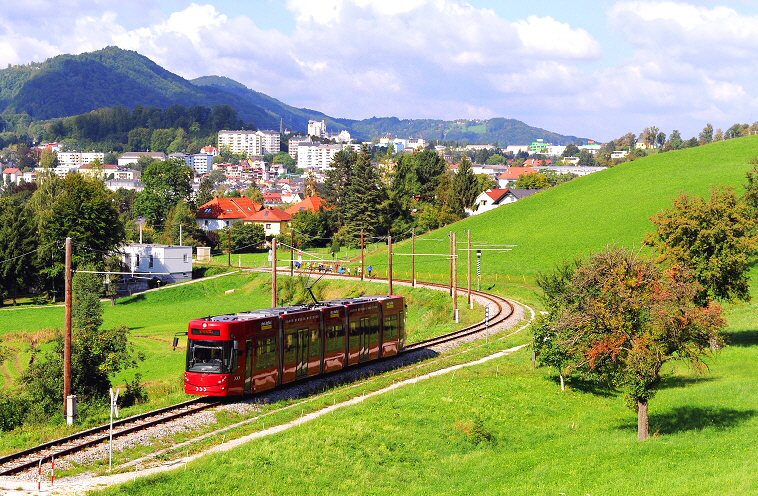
<point x="69" y="85"/>
<point x="295" y="119"/>
<point x="498" y="130"/>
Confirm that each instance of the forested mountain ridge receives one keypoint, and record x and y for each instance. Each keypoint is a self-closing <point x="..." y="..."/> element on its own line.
<point x="70" y="85"/>
<point x="294" y="119"/>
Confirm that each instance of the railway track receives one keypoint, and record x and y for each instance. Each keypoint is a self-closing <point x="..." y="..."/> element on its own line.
<point x="28" y="459"/>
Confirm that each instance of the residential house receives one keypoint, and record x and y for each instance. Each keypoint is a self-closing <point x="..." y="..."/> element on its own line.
<point x="272" y="220"/>
<point x="512" y="174"/>
<point x="219" y="213"/>
<point x="310" y="204"/>
<point x="11" y="175"/>
<point x="133" y="157"/>
<point x="147" y="262"/>
<point x="487" y="200"/>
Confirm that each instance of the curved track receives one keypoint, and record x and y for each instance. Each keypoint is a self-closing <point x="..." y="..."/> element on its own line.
<point x="29" y="458"/>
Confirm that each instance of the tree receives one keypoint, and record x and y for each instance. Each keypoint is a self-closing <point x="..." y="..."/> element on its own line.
<point x="337" y="183"/>
<point x="660" y="138"/>
<point x="618" y="318"/>
<point x="18" y="240"/>
<point x="675" y="139"/>
<point x="535" y="180"/>
<point x="571" y="150"/>
<point x="254" y="194"/>
<point x="495" y="159"/>
<point x="246" y="238"/>
<point x="311" y="228"/>
<point x="181" y="227"/>
<point x="465" y="186"/>
<point x="586" y="159"/>
<point x="95" y="355"/>
<point x="429" y="167"/>
<point x="706" y="135"/>
<point x="80" y="208"/>
<point x="166" y="183"/>
<point x="363" y="200"/>
<point x="48" y="158"/>
<point x="714" y="238"/>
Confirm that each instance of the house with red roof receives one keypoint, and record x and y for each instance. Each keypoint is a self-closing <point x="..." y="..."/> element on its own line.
<point x="272" y="220"/>
<point x="310" y="204"/>
<point x="219" y="213"/>
<point x="512" y="174"/>
<point x="495" y="197"/>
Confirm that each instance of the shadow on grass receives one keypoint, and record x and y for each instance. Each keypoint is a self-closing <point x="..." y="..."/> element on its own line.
<point x="588" y="386"/>
<point x="680" y="382"/>
<point x="130" y="299"/>
<point x="688" y="418"/>
<point x="742" y="338"/>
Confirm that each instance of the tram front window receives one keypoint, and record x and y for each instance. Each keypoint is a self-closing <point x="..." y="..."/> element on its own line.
<point x="213" y="357"/>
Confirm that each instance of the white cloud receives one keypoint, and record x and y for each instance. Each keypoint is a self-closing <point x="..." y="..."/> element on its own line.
<point x="544" y="36"/>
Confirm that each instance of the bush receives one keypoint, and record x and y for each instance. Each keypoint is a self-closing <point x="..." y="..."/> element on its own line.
<point x="135" y="393"/>
<point x="13" y="409"/>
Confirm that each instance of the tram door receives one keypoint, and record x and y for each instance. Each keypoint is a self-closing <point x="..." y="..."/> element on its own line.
<point x="248" y="366"/>
<point x="302" y="342"/>
<point x="364" y="333"/>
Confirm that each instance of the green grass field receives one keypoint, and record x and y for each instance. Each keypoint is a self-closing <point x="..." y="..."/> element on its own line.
<point x="505" y="428"/>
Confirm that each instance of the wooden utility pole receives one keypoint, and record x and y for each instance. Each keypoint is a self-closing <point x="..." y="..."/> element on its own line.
<point x="273" y="272"/>
<point x="67" y="325"/>
<point x="229" y="244"/>
<point x="468" y="265"/>
<point x="389" y="265"/>
<point x="455" y="282"/>
<point x="450" y="262"/>
<point x="413" y="258"/>
<point x="363" y="269"/>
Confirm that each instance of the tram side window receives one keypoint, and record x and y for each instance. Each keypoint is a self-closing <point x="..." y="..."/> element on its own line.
<point x="335" y="338"/>
<point x="266" y="353"/>
<point x="290" y="348"/>
<point x="373" y="329"/>
<point x="354" y="334"/>
<point x="315" y="349"/>
<point x="390" y="327"/>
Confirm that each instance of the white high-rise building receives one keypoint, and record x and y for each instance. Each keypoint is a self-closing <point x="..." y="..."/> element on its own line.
<point x="251" y="142"/>
<point x="317" y="128"/>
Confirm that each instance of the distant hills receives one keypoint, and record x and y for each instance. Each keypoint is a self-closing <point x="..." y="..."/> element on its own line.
<point x="69" y="85"/>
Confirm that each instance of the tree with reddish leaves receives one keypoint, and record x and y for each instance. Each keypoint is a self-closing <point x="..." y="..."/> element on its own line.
<point x="618" y="318"/>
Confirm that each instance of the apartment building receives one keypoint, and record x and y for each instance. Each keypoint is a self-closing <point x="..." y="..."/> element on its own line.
<point x="251" y="142"/>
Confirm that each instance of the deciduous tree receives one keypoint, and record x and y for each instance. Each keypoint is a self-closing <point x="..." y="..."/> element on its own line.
<point x="715" y="238"/>
<point x="618" y="318"/>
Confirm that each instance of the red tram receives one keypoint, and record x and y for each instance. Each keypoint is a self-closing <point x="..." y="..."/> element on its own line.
<point x="248" y="352"/>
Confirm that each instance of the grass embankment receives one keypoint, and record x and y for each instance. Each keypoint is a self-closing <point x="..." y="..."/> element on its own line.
<point x="504" y="428"/>
<point x="155" y="317"/>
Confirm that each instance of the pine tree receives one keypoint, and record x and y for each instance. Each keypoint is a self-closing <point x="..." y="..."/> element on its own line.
<point x="364" y="198"/>
<point x="465" y="187"/>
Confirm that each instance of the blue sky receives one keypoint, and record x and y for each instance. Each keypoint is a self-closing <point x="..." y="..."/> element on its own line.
<point x="593" y="68"/>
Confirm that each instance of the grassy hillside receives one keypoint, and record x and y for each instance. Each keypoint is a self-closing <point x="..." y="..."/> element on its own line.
<point x="609" y="207"/>
<point x="505" y="428"/>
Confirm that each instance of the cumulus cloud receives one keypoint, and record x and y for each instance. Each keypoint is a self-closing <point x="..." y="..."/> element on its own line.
<point x="431" y="58"/>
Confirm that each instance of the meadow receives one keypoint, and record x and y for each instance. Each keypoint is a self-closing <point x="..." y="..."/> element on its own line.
<point x="504" y="427"/>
